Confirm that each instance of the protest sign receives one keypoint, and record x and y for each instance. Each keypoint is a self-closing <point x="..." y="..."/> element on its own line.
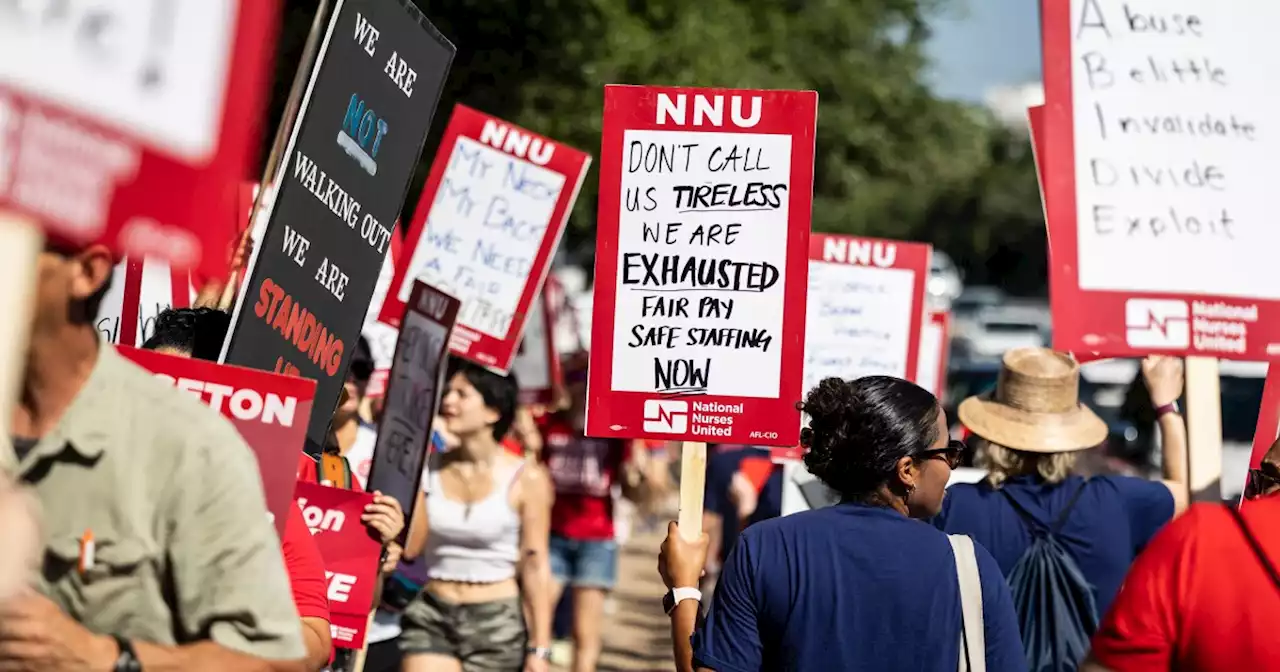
<point x="701" y="264"/>
<point x="140" y="291"/>
<point x="935" y="346"/>
<point x="866" y="308"/>
<point x="490" y="218"/>
<point x="1156" y="146"/>
<point x="116" y="124"/>
<point x="349" y="159"/>
<point x="413" y="392"/>
<point x="270" y="412"/>
<point x="381" y="336"/>
<point x="351" y="556"/>
<point x="537" y="363"/>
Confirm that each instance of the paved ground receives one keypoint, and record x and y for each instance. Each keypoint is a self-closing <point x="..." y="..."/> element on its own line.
<point x="637" y="634"/>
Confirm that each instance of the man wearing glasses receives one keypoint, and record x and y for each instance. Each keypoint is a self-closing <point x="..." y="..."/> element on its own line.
<point x="1205" y="594"/>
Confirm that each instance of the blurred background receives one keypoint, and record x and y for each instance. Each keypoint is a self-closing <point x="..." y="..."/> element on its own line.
<point x="922" y="135"/>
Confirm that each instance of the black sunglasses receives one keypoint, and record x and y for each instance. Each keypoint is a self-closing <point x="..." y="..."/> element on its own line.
<point x="1259" y="482"/>
<point x="951" y="454"/>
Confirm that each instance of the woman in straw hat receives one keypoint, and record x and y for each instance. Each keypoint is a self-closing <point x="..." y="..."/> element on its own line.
<point x="1032" y="428"/>
<point x="862" y="585"/>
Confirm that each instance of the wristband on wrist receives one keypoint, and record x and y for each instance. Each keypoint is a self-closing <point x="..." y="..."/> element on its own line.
<point x="677" y="595"/>
<point x="543" y="652"/>
<point x="127" y="659"/>
<point x="1171" y="407"/>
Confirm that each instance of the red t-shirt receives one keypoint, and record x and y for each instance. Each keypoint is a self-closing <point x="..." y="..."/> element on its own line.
<point x="1198" y="598"/>
<point x="305" y="566"/>
<point x="583" y="471"/>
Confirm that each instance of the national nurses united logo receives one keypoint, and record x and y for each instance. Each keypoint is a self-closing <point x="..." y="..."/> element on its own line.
<point x="362" y="133"/>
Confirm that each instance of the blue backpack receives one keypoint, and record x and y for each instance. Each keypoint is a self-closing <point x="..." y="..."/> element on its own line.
<point x="1055" y="604"/>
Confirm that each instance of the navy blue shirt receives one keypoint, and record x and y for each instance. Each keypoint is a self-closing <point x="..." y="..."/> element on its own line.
<point x="849" y="587"/>
<point x="1109" y="525"/>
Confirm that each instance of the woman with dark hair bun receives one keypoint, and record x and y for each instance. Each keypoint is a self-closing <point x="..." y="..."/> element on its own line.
<point x="864" y="584"/>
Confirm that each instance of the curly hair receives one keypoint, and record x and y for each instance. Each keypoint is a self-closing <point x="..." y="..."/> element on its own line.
<point x="859" y="430"/>
<point x="199" y="331"/>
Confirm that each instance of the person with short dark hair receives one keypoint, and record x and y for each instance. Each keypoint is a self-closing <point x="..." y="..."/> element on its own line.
<point x="865" y="584"/>
<point x="184" y="570"/>
<point x="488" y="514"/>
<point x="193" y="332"/>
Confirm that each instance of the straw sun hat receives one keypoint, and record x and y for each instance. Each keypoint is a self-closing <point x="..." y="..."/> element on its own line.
<point x="1036" y="406"/>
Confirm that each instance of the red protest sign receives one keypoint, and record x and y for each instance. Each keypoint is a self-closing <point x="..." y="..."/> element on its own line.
<point x="269" y="410"/>
<point x="701" y="264"/>
<point x="537" y="363"/>
<point x="486" y="228"/>
<point x="865" y="308"/>
<point x="1160" y="189"/>
<point x="128" y="141"/>
<point x="351" y="556"/>
<point x="935" y="349"/>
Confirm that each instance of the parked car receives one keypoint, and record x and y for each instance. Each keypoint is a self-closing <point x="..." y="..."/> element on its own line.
<point x="995" y="329"/>
<point x="945" y="282"/>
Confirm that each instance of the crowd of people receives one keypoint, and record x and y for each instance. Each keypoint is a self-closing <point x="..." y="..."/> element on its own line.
<point x="149" y="548"/>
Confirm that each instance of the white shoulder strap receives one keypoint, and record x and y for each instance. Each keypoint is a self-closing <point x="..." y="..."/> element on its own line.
<point x="973" y="646"/>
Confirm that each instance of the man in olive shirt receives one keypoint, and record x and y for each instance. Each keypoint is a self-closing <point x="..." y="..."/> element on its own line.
<point x="185" y="572"/>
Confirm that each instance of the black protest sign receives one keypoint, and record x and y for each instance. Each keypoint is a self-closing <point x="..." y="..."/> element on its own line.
<point x="413" y="391"/>
<point x="350" y="157"/>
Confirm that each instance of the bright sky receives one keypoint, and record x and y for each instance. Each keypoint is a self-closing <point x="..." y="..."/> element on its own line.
<point x="984" y="43"/>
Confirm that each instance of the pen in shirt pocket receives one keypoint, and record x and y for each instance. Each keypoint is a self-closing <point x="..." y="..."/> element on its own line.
<point x="86" y="551"/>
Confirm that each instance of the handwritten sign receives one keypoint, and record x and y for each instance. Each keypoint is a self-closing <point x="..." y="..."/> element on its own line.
<point x="1157" y="148"/>
<point x="139" y="292"/>
<point x="115" y="119"/>
<point x="417" y="376"/>
<point x="537" y="363"/>
<point x="269" y="411"/>
<point x="935" y="347"/>
<point x="347" y="166"/>
<point x="381" y="337"/>
<point x="701" y="264"/>
<point x="350" y="556"/>
<point x="866" y="306"/>
<point x="487" y="226"/>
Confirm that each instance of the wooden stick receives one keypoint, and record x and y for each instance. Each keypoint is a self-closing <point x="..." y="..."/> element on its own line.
<point x="20" y="245"/>
<point x="358" y="664"/>
<point x="1204" y="429"/>
<point x="693" y="483"/>
<point x="296" y="91"/>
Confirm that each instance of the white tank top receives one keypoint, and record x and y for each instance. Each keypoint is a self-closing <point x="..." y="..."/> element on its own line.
<point x="480" y="546"/>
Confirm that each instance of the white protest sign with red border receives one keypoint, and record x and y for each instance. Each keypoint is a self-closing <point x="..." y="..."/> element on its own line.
<point x="269" y="410"/>
<point x="537" y="362"/>
<point x="701" y="264"/>
<point x="487" y="226"/>
<point x="351" y="556"/>
<point x="140" y="291"/>
<point x="935" y="347"/>
<point x="865" y="309"/>
<point x="114" y="123"/>
<point x="381" y="336"/>
<point x="1156" y="149"/>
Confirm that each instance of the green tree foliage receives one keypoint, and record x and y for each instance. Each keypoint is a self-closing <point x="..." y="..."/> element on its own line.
<point x="891" y="158"/>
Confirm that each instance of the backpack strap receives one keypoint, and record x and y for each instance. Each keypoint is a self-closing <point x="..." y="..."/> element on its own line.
<point x="1033" y="522"/>
<point x="1253" y="544"/>
<point x="973" y="647"/>
<point x="1062" y="517"/>
<point x="335" y="469"/>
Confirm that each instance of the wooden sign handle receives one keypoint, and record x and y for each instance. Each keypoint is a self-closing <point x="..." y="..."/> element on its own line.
<point x="1204" y="429"/>
<point x="20" y="245"/>
<point x="693" y="482"/>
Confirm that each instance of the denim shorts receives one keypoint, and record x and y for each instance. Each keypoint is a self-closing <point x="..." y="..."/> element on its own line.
<point x="584" y="564"/>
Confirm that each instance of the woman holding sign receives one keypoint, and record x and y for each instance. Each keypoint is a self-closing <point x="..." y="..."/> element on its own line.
<point x="488" y="518"/>
<point x="864" y="584"/>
